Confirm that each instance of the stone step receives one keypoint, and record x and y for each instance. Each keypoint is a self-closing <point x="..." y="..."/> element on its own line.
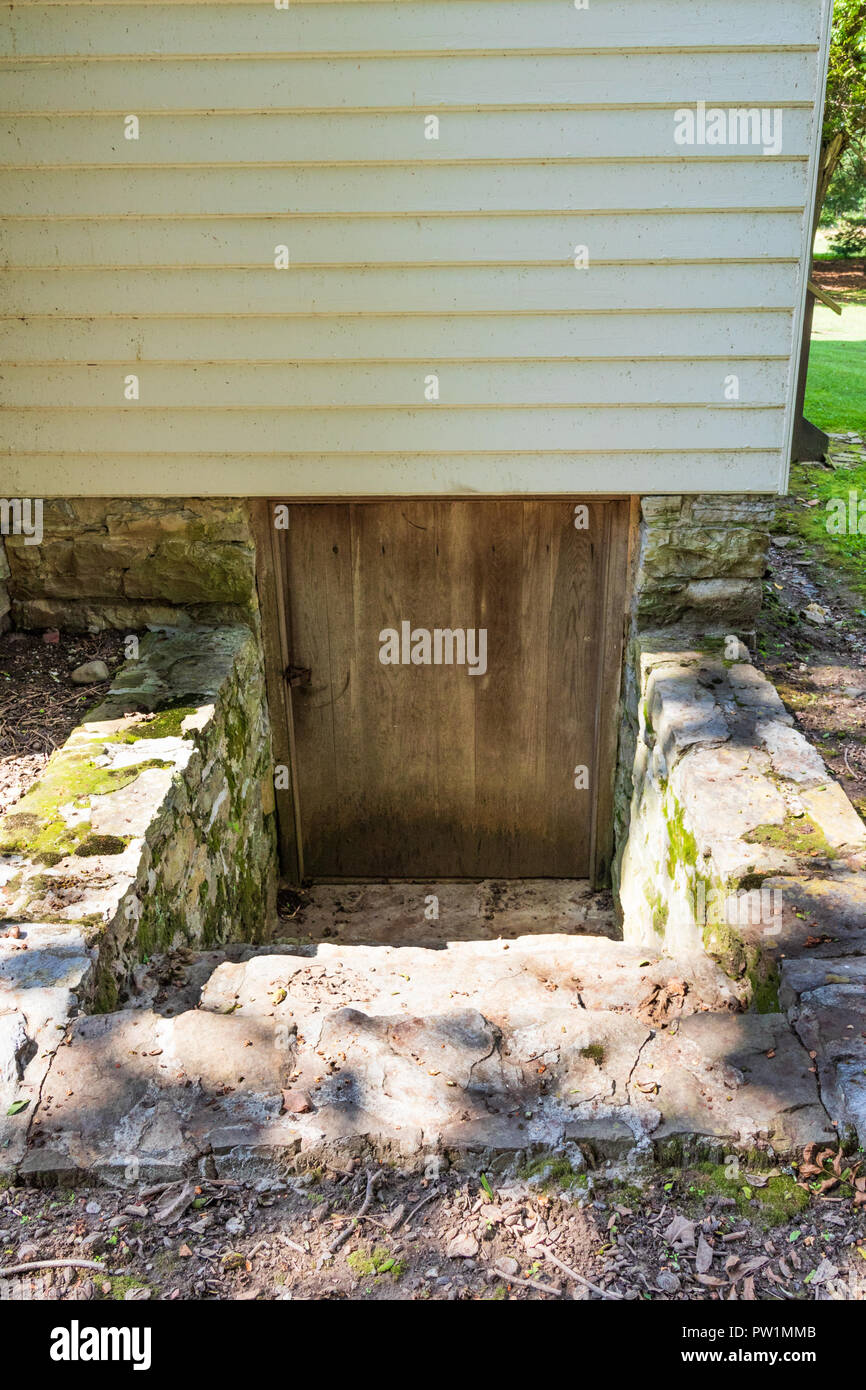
<point x="492" y="1047"/>
<point x="516" y="981"/>
<point x="432" y="914"/>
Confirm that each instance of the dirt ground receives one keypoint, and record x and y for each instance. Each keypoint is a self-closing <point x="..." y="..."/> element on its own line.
<point x="843" y="279"/>
<point x="812" y="645"/>
<point x="698" y="1233"/>
<point x="39" y="705"/>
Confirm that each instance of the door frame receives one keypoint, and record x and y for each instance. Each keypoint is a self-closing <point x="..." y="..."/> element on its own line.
<point x="622" y="520"/>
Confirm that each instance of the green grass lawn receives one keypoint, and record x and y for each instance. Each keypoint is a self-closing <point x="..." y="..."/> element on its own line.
<point x="849" y="549"/>
<point x="836" y="385"/>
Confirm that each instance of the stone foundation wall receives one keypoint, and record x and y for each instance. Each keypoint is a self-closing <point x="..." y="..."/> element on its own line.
<point x="129" y="562"/>
<point x="153" y="826"/>
<point x="701" y="560"/>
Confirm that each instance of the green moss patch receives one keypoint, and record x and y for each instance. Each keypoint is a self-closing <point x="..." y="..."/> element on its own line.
<point x="739" y="958"/>
<point x="554" y="1170"/>
<point x="375" y="1262"/>
<point x="682" y="845"/>
<point x="165" y="723"/>
<point x="36" y="827"/>
<point x="779" y="1200"/>
<point x="102" y="844"/>
<point x="798" y="835"/>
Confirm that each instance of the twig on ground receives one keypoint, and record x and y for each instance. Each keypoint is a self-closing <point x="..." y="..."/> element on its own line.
<point x="419" y="1205"/>
<point x="527" y="1283"/>
<point x="52" y="1264"/>
<point x="372" y="1179"/>
<point x="573" y="1274"/>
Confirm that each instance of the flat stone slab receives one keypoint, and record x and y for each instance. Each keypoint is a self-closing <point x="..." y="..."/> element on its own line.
<point x="808" y="973"/>
<point x="831" y="1021"/>
<point x="137" y="1093"/>
<point x="44" y="971"/>
<point x="821" y="916"/>
<point x="745" y="1076"/>
<point x="514" y="983"/>
<point x="830" y="808"/>
<point x="791" y="753"/>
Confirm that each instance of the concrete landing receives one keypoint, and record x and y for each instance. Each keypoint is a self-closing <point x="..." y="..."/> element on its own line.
<point x="488" y="1047"/>
<point x="434" y="913"/>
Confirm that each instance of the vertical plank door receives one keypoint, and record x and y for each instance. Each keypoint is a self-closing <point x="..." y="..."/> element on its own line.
<point x="425" y="770"/>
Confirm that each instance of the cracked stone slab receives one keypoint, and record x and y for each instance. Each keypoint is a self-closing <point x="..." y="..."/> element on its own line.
<point x="830" y="1021"/>
<point x="135" y="1091"/>
<point x="750" y="688"/>
<point x="410" y="1072"/>
<point x="44" y="973"/>
<point x="745" y="1076"/>
<point x="581" y="1057"/>
<point x="802" y="976"/>
<point x="792" y="755"/>
<point x="683" y="714"/>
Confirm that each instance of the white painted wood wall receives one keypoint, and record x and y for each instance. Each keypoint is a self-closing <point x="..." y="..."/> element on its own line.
<point x="410" y="257"/>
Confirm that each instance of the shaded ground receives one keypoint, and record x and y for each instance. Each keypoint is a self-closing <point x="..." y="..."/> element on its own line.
<point x="685" y="1234"/>
<point x="39" y="705"/>
<point x="812" y="629"/>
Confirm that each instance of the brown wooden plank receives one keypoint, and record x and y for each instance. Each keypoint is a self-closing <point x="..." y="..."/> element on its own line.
<point x="394" y="581"/>
<point x="312" y="533"/>
<point x="620" y="564"/>
<point x="504" y="833"/>
<point x="271" y="589"/>
<point x="455" y="605"/>
<point x="573" y="643"/>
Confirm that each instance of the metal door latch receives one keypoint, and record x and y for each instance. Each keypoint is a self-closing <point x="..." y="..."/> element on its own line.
<point x="298" y="675"/>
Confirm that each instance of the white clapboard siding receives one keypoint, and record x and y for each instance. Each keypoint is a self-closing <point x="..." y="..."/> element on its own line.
<point x="399" y="290"/>
<point x="410" y="257"/>
<point x="116" y="242"/>
<point x="731" y="76"/>
<point x="428" y="427"/>
<point x="746" y="182"/>
<point x="685" y="336"/>
<point x="432" y="27"/>
<point x="360" y="385"/>
<point x="313" y="476"/>
<point x="399" y="137"/>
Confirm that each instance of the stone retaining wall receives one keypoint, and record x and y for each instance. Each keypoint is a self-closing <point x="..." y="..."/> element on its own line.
<point x="733" y="820"/>
<point x="153" y="826"/>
